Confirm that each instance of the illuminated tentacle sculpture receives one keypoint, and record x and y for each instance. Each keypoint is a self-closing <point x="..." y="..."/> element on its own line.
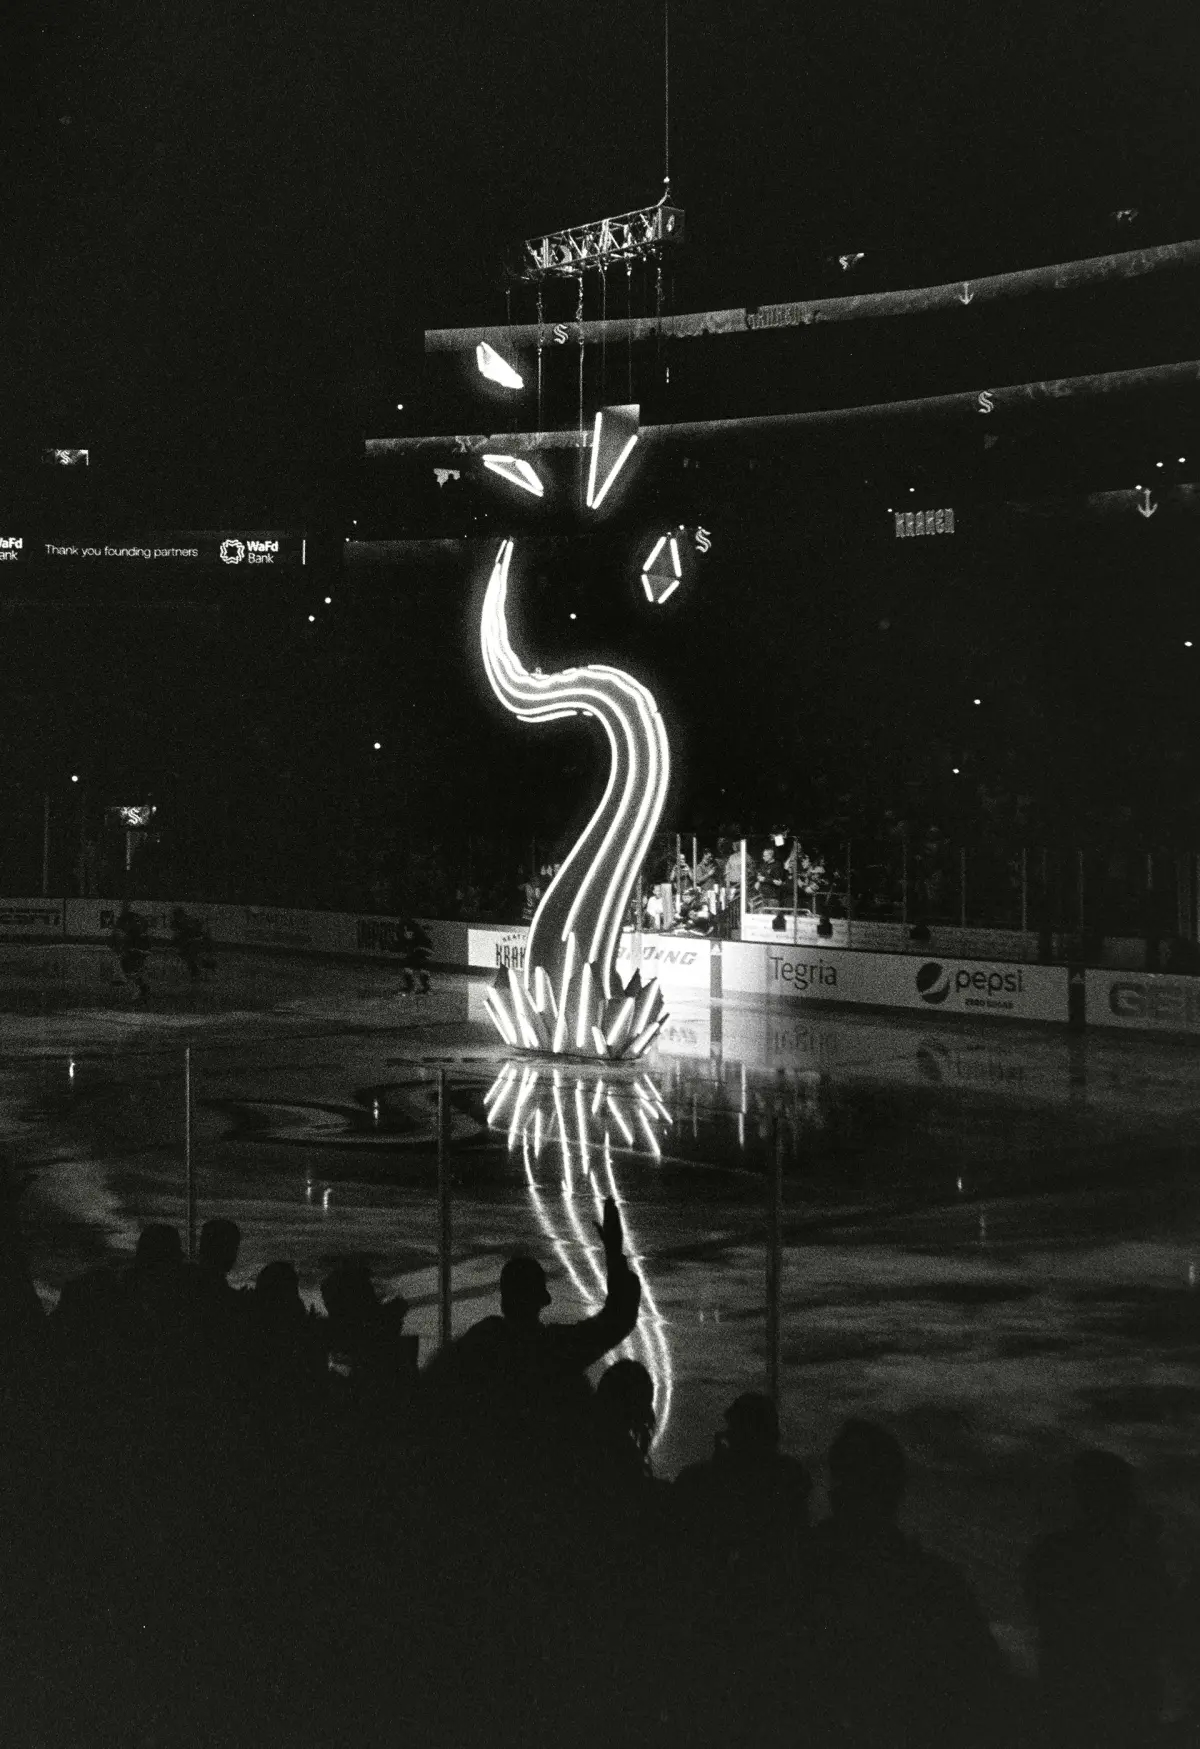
<point x="570" y="998"/>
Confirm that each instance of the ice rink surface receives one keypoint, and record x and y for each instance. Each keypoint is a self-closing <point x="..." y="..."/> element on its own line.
<point x="990" y="1233"/>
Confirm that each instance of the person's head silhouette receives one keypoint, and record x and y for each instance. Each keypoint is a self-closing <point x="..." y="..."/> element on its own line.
<point x="867" y="1473"/>
<point x="751" y="1429"/>
<point x="220" y="1240"/>
<point x="1103" y="1485"/>
<point x="159" y="1247"/>
<point x="625" y="1403"/>
<point x="523" y="1290"/>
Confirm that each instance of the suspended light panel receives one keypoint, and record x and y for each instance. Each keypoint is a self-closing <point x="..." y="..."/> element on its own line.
<point x="613" y="436"/>
<point x="496" y="369"/>
<point x="516" y="471"/>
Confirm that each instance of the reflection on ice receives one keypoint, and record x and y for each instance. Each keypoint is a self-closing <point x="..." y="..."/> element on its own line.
<point x="567" y="1123"/>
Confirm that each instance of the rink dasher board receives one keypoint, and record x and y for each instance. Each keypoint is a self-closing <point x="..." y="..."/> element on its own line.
<point x="684" y="965"/>
<point x="273" y="927"/>
<point x="934" y="984"/>
<point x="1143" y="1001"/>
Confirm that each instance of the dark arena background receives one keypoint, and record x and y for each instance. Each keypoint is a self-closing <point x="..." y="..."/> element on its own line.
<point x="871" y="447"/>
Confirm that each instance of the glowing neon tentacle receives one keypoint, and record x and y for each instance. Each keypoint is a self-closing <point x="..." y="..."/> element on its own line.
<point x="593" y="893"/>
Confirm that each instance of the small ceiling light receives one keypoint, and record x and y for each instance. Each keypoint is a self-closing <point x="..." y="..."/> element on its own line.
<point x="976" y="701"/>
<point x="954" y="769"/>
<point x="74" y="777"/>
<point x="1187" y="644"/>
<point x="573" y="616"/>
<point x="496" y="369"/>
<point x="1158" y="464"/>
<point x="328" y="600"/>
<point x="515" y="471"/>
<point x="912" y="488"/>
<point x="1183" y="458"/>
<point x="377" y="745"/>
<point x="312" y="618"/>
<point x="399" y="406"/>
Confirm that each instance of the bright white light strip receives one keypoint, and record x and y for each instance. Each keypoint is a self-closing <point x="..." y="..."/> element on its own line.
<point x="560" y="1025"/>
<point x="619" y="1120"/>
<point x="584" y="1005"/>
<point x="650" y="1135"/>
<point x="500" y="1020"/>
<point x="624" y="1013"/>
<point x="657" y="548"/>
<point x="516" y="471"/>
<point x="677" y="567"/>
<point x="489" y="364"/>
<point x="594" y="498"/>
<point x="651" y="1323"/>
<point x="646" y="1036"/>
<point x="596" y="878"/>
<point x="668" y="592"/>
<point x="647" y="588"/>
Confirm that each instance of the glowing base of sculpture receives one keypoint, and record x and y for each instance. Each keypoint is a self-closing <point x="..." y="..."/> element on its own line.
<point x="577" y="1019"/>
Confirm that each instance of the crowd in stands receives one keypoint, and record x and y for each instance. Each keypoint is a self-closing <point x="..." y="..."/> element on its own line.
<point x="229" y="1518"/>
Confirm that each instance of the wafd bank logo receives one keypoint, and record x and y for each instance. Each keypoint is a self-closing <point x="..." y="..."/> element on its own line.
<point x="232" y="552"/>
<point x="978" y="987"/>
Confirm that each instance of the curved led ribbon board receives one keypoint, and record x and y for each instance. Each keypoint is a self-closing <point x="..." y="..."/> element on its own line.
<point x="570" y="999"/>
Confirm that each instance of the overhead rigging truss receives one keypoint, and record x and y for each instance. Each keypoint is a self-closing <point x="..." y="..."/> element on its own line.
<point x="637" y="236"/>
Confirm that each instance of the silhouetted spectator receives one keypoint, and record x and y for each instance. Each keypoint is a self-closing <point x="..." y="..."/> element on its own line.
<point x="288" y="1356"/>
<point x="364" y="1337"/>
<point x="1101" y="1600"/>
<point x="217" y="1253"/>
<point x="23" y="1335"/>
<point x="906" y="1657"/>
<point x="155" y="1284"/>
<point x="130" y="941"/>
<point x="526" y="1380"/>
<point x="625" y="1421"/>
<point x="188" y="936"/>
<point x="747" y="1506"/>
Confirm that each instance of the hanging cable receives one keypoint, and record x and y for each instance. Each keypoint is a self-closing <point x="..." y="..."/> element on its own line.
<point x="666" y="98"/>
<point x="629" y="327"/>
<point x="603" y="330"/>
<point x="579" y="320"/>
<point x="540" y="324"/>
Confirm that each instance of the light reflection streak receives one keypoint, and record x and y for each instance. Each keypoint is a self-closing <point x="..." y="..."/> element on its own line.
<point x="541" y="1126"/>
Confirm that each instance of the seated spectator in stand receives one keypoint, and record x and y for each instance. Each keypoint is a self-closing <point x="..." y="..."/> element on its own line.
<point x="1101" y="1601"/>
<point x="905" y="1655"/>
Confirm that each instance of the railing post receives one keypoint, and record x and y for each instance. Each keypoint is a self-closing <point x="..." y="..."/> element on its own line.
<point x="849" y="896"/>
<point x="774" y="1260"/>
<point x="189" y="1178"/>
<point x="444" y="1228"/>
<point x="1024" y="890"/>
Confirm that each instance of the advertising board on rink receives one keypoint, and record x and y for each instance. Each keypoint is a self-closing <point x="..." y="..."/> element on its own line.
<point x="1143" y="1001"/>
<point x="995" y="989"/>
<point x="23" y="919"/>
